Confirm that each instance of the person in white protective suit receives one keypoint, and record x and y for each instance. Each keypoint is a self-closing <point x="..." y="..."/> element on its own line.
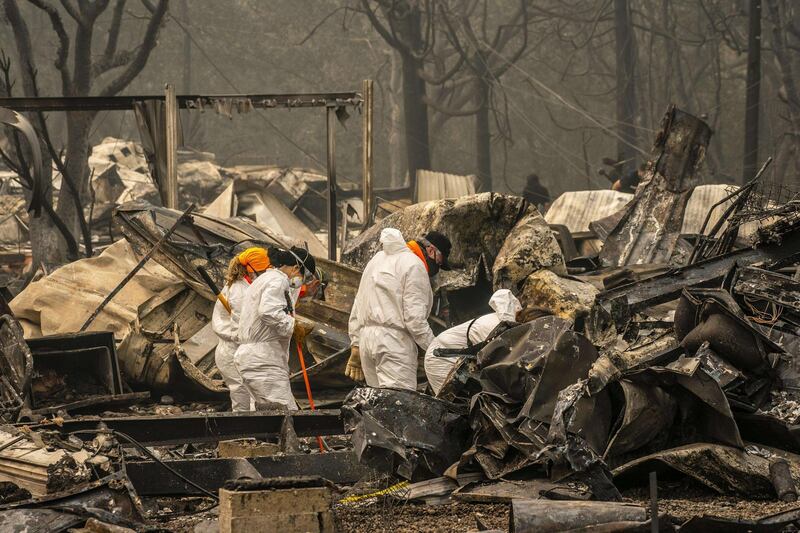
<point x="389" y="318"/>
<point x="505" y="305"/>
<point x="226" y="324"/>
<point x="266" y="325"/>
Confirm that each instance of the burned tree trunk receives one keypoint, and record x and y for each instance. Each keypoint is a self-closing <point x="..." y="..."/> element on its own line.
<point x="752" y="93"/>
<point x="415" y="112"/>
<point x="483" y="137"/>
<point x="646" y="230"/>
<point x="626" y="90"/>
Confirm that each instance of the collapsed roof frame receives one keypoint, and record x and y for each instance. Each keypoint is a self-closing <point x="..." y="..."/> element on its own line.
<point x="330" y="101"/>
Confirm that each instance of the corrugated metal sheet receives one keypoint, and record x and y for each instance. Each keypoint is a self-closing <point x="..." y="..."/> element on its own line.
<point x="576" y="209"/>
<point x="439" y="185"/>
<point x="703" y="197"/>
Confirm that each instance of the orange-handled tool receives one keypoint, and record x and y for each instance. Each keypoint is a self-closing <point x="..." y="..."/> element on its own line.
<point x="308" y="389"/>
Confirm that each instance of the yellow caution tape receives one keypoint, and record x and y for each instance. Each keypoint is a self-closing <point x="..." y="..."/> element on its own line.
<point x="358" y="497"/>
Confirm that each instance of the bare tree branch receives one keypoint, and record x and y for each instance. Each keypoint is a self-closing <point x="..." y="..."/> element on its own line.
<point x="63" y="43"/>
<point x="72" y="11"/>
<point x="113" y="31"/>
<point x="139" y="61"/>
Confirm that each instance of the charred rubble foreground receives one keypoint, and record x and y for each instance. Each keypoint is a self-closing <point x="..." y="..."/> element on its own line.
<point x="665" y="358"/>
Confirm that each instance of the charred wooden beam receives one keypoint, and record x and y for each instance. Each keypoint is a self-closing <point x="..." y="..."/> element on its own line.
<point x="181" y="429"/>
<point x="185" y="101"/>
<point x="152" y="479"/>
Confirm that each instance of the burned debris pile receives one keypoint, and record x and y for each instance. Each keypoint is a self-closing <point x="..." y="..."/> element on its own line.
<point x="687" y="371"/>
<point x="643" y="355"/>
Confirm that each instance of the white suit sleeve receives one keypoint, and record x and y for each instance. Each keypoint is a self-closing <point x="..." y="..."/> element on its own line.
<point x="417" y="302"/>
<point x="272" y="311"/>
<point x="354" y="324"/>
<point x="221" y="321"/>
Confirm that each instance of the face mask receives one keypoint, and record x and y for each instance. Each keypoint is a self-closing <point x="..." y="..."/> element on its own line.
<point x="433" y="266"/>
<point x="296" y="282"/>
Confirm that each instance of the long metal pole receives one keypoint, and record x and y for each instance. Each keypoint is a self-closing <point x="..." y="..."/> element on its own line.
<point x="171" y="120"/>
<point x="367" y="154"/>
<point x="137" y="268"/>
<point x="332" y="226"/>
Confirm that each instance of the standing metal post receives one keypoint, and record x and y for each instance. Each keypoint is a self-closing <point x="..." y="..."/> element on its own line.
<point x="367" y="154"/>
<point x="332" y="226"/>
<point x="170" y="195"/>
<point x="654" y="528"/>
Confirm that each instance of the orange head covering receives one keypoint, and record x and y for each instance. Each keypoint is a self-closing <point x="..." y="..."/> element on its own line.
<point x="254" y="259"/>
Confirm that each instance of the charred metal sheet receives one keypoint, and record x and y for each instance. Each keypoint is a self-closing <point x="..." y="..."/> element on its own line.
<point x="524" y="376"/>
<point x="152" y="479"/>
<point x="415" y="435"/>
<point x="769" y="430"/>
<point x="210" y="242"/>
<point x="668" y="286"/>
<point x="721" y="468"/>
<point x="649" y="229"/>
<point x="199" y="240"/>
<point x="213" y="427"/>
<point x="18" y="122"/>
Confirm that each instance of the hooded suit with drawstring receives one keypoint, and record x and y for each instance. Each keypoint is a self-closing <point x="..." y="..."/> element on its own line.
<point x="389" y="318"/>
<point x="505" y="306"/>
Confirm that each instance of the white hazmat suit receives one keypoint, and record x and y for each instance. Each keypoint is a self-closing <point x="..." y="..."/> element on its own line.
<point x="505" y="305"/>
<point x="265" y="331"/>
<point x="226" y="326"/>
<point x="390" y="314"/>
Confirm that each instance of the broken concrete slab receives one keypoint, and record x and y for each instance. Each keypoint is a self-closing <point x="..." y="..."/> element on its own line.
<point x="301" y="503"/>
